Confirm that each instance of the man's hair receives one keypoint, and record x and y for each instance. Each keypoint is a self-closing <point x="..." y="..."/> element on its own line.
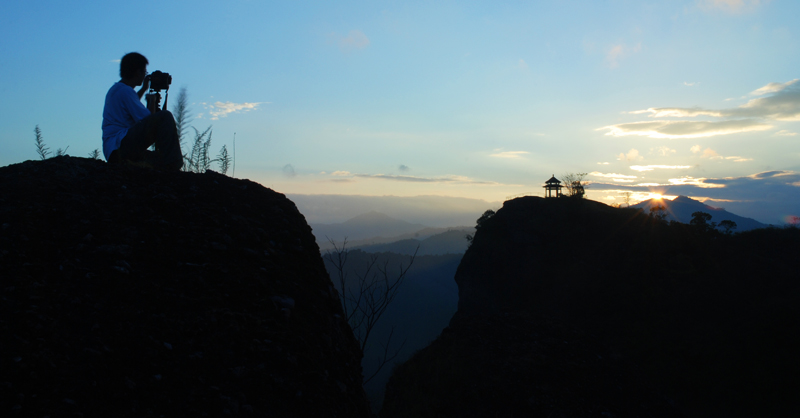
<point x="131" y="63"/>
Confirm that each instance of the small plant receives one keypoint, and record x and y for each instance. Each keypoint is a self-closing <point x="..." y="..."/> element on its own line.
<point x="224" y="160"/>
<point x="95" y="154"/>
<point x="62" y="152"/>
<point x="41" y="149"/>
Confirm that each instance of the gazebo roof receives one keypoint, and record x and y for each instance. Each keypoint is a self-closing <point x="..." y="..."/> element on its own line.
<point x="553" y="180"/>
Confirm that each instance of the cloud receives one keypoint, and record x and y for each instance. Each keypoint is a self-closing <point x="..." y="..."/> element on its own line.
<point x="773" y="88"/>
<point x="663" y="151"/>
<point x="781" y="103"/>
<point x="288" y="171"/>
<point x="698" y="182"/>
<point x="632" y="155"/>
<point x="510" y="154"/>
<point x="784" y="132"/>
<point x="413" y="179"/>
<point x="617" y="52"/>
<point x="403" y="168"/>
<point x="730" y="6"/>
<point x="709" y="153"/>
<point x="116" y="61"/>
<point x="685" y="129"/>
<point x="222" y="110"/>
<point x="522" y="65"/>
<point x="603" y="163"/>
<point x="341" y="173"/>
<point x="611" y="175"/>
<point x="737" y="159"/>
<point x="653" y="167"/>
<point x="354" y="40"/>
<point x="686" y="83"/>
<point x="697" y="148"/>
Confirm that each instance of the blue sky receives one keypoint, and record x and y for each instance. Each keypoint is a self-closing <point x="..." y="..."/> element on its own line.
<point x="482" y="100"/>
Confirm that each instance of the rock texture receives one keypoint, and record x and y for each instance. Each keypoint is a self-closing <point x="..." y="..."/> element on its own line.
<point x="132" y="292"/>
<point x="571" y="308"/>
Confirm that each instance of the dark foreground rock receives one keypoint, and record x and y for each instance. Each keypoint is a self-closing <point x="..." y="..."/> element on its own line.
<point x="572" y="308"/>
<point x="132" y="292"/>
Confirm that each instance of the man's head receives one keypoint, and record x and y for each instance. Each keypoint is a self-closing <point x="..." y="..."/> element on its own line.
<point x="133" y="66"/>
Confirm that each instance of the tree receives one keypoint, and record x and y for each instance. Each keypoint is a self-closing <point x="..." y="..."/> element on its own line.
<point x="658" y="212"/>
<point x="701" y="221"/>
<point x="486" y="215"/>
<point x="365" y="299"/>
<point x="728" y="225"/>
<point x="626" y="197"/>
<point x="574" y="184"/>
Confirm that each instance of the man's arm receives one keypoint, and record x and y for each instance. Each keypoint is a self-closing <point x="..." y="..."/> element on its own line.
<point x="145" y="87"/>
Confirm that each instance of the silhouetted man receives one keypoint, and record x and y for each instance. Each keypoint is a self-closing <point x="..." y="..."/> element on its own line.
<point x="128" y="127"/>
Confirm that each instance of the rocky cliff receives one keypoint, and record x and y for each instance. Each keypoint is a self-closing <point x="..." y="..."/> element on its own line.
<point x="132" y="292"/>
<point x="572" y="308"/>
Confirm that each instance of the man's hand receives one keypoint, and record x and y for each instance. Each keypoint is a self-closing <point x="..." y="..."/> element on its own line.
<point x="145" y="87"/>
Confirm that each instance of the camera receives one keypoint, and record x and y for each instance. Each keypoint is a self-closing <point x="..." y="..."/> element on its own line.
<point x="160" y="81"/>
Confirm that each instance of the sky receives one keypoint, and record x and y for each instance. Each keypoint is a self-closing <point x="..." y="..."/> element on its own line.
<point x="480" y="100"/>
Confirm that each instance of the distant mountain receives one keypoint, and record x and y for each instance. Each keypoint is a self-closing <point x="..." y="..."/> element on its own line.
<point x="681" y="208"/>
<point x="366" y="225"/>
<point x="452" y="241"/>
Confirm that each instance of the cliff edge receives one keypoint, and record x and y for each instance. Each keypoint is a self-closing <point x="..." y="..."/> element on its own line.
<point x="132" y="292"/>
<point x="572" y="308"/>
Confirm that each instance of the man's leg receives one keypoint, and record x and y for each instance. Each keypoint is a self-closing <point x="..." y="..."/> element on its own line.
<point x="159" y="129"/>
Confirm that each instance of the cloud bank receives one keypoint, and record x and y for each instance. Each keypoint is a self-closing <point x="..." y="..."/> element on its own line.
<point x="777" y="102"/>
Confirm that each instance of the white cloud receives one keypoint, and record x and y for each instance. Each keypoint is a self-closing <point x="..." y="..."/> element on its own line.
<point x="773" y="88"/>
<point x="222" y="110"/>
<point x="611" y="175"/>
<point x="686" y="83"/>
<point x="603" y="163"/>
<point x="781" y="103"/>
<point x="685" y="129"/>
<point x="341" y="173"/>
<point x="698" y="182"/>
<point x="455" y="179"/>
<point x="737" y="159"/>
<point x="663" y="151"/>
<point x="632" y="155"/>
<point x="653" y="167"/>
<point x="730" y="6"/>
<point x="522" y="65"/>
<point x="617" y="52"/>
<point x="510" y="154"/>
<point x="697" y="148"/>
<point x="784" y="132"/>
<point x="355" y="39"/>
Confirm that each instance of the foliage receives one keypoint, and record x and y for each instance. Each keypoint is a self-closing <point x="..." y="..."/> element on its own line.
<point x="659" y="212"/>
<point x="41" y="149"/>
<point x="224" y="160"/>
<point x="182" y="115"/>
<point x="198" y="160"/>
<point x="61" y="152"/>
<point x="95" y="154"/>
<point x="365" y="299"/>
<point x="574" y="184"/>
<point x="728" y="225"/>
<point x="486" y="215"/>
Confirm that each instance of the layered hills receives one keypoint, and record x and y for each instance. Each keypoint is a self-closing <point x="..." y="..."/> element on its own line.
<point x="133" y="292"/>
<point x="681" y="209"/>
<point x="571" y="308"/>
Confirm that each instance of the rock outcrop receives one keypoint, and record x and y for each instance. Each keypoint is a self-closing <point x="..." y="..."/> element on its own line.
<point x="571" y="308"/>
<point x="133" y="292"/>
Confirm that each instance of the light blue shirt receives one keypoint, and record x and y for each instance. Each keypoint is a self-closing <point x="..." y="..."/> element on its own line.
<point x="122" y="110"/>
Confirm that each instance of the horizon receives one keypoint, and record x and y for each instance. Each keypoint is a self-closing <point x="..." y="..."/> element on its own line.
<point x="699" y="98"/>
